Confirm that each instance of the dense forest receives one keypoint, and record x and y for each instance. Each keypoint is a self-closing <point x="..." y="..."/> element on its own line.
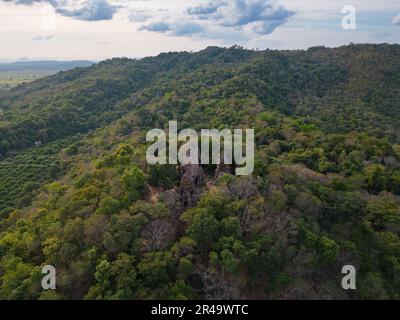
<point x="77" y="193"/>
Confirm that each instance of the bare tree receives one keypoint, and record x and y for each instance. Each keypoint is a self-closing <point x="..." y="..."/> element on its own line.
<point x="218" y="287"/>
<point x="158" y="234"/>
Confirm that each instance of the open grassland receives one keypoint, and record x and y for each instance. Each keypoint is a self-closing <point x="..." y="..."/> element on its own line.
<point x="11" y="79"/>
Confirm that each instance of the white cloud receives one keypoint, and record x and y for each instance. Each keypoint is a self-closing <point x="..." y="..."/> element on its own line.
<point x="139" y="15"/>
<point x="224" y="16"/>
<point x="40" y="38"/>
<point x="88" y="10"/>
<point x="188" y="25"/>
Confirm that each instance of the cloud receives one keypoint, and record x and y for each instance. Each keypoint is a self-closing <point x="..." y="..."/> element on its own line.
<point x="267" y="27"/>
<point x="87" y="10"/>
<point x="257" y="17"/>
<point x="24" y="2"/>
<point x="44" y="38"/>
<point x="187" y="29"/>
<point x="206" y="9"/>
<point x="264" y="15"/>
<point x="156" y="27"/>
<point x="396" y="20"/>
<point x="206" y="20"/>
<point x="174" y="29"/>
<point x="139" y="16"/>
<point x="90" y="10"/>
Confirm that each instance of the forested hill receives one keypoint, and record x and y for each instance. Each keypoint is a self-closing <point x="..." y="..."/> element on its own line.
<point x="76" y="191"/>
<point x="343" y="89"/>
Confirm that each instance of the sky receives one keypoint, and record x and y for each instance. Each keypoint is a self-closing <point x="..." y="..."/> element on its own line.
<point x="100" y="29"/>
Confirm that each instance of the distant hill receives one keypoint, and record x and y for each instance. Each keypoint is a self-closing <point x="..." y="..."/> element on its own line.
<point x="49" y="66"/>
<point x="22" y="71"/>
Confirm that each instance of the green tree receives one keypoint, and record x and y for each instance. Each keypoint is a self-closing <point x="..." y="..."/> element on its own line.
<point x="134" y="182"/>
<point x="205" y="229"/>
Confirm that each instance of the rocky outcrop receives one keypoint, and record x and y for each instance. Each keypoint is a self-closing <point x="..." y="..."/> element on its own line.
<point x="192" y="178"/>
<point x="223" y="169"/>
<point x="188" y="192"/>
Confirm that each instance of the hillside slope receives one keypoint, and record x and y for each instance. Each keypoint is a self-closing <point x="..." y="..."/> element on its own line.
<point x="325" y="192"/>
